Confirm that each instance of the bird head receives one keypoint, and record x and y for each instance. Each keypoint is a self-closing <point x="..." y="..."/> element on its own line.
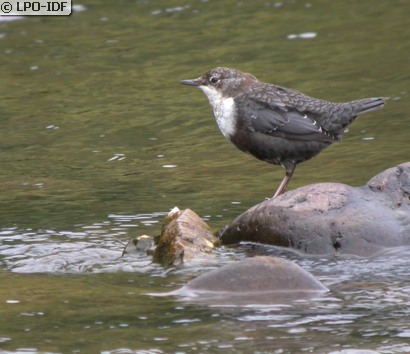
<point x="221" y="82"/>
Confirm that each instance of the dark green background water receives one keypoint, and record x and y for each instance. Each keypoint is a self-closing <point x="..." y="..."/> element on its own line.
<point x="90" y="113"/>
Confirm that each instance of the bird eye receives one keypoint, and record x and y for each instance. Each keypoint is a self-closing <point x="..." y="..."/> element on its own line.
<point x="214" y="80"/>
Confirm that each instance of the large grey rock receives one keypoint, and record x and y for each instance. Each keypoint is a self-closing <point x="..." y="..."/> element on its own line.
<point x="331" y="217"/>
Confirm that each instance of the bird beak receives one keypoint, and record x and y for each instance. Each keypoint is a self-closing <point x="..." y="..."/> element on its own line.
<point x="194" y="82"/>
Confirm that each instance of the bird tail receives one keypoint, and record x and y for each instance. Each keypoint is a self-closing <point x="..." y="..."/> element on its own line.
<point x="367" y="105"/>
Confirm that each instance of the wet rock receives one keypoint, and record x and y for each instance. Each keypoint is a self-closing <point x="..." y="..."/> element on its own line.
<point x="254" y="280"/>
<point x="142" y="244"/>
<point x="184" y="236"/>
<point x="331" y="217"/>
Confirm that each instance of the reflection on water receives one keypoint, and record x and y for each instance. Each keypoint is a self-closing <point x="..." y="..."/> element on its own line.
<point x="91" y="248"/>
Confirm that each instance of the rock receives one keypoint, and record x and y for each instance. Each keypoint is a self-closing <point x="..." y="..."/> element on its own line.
<point x="184" y="236"/>
<point x="142" y="244"/>
<point x="257" y="274"/>
<point x="393" y="182"/>
<point x="331" y="217"/>
<point x="254" y="280"/>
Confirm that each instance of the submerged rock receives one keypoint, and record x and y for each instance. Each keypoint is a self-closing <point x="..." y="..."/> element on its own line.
<point x="331" y="217"/>
<point x="140" y="244"/>
<point x="257" y="274"/>
<point x="254" y="280"/>
<point x="184" y="236"/>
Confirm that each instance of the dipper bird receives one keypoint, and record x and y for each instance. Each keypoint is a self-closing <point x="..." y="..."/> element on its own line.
<point x="273" y="123"/>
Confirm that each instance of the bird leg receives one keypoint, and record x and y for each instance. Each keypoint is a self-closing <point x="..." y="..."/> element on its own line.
<point x="290" y="168"/>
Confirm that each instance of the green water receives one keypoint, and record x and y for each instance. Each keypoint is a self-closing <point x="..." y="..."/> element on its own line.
<point x="93" y="123"/>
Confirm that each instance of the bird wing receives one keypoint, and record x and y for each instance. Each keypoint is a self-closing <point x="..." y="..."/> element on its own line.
<point x="268" y="113"/>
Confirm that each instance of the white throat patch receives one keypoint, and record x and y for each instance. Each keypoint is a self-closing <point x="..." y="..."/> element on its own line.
<point x="224" y="110"/>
